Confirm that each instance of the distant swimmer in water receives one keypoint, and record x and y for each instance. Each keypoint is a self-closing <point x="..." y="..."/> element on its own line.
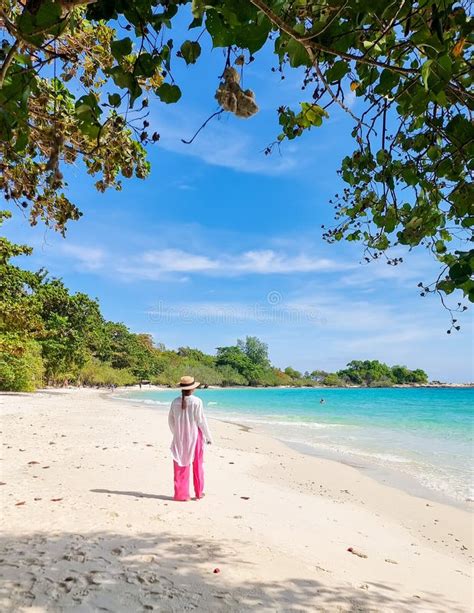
<point x="321" y="401"/>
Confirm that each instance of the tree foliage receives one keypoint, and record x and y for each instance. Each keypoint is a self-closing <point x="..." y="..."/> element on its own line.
<point x="375" y="373"/>
<point x="256" y="350"/>
<point x="21" y="365"/>
<point x="76" y="78"/>
<point x="292" y="373"/>
<point x="236" y="358"/>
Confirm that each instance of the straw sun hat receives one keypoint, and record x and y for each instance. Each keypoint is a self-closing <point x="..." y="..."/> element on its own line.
<point x="188" y="383"/>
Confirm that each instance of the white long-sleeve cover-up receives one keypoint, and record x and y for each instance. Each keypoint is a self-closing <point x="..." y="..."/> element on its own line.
<point x="184" y="425"/>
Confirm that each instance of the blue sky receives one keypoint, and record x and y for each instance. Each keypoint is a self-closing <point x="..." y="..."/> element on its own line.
<point x="222" y="241"/>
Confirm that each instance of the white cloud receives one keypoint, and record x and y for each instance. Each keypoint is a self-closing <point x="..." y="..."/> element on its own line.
<point x="407" y="273"/>
<point x="350" y="99"/>
<point x="176" y="260"/>
<point x="230" y="313"/>
<point x="88" y="258"/>
<point x="155" y="264"/>
<point x="403" y="335"/>
<point x="221" y="143"/>
<point x="268" y="261"/>
<point x="346" y="314"/>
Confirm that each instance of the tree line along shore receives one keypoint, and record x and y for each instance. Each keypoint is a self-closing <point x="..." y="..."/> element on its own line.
<point x="50" y="336"/>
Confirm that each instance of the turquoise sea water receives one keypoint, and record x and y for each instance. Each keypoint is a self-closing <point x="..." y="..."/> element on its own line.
<point x="423" y="433"/>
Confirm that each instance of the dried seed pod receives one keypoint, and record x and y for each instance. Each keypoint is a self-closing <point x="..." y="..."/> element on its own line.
<point x="246" y="104"/>
<point x="232" y="98"/>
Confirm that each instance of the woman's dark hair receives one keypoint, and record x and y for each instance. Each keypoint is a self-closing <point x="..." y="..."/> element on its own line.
<point x="185" y="393"/>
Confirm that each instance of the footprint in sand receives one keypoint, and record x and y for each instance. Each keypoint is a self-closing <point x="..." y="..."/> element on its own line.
<point x="97" y="577"/>
<point x="75" y="555"/>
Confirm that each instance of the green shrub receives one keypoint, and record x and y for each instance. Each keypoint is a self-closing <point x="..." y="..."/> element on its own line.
<point x="21" y="366"/>
<point x="207" y="375"/>
<point x="99" y="373"/>
<point x="385" y="382"/>
<point x="231" y="376"/>
<point x="292" y="373"/>
<point x="333" y="380"/>
<point x="169" y="375"/>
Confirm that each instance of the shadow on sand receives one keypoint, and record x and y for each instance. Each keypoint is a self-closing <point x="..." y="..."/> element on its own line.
<point x="109" y="571"/>
<point x="133" y="494"/>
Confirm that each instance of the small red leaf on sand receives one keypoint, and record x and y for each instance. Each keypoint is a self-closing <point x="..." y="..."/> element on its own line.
<point x="216" y="571"/>
<point x="33" y="462"/>
<point x="55" y="499"/>
<point x="19" y="504"/>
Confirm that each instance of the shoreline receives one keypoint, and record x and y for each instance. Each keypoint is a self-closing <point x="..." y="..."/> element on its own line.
<point x="389" y="475"/>
<point x="310" y="387"/>
<point x="97" y="526"/>
<point x="156" y="387"/>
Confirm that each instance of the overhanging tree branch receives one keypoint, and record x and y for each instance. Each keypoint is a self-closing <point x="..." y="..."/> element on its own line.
<point x="8" y="61"/>
<point x="311" y="46"/>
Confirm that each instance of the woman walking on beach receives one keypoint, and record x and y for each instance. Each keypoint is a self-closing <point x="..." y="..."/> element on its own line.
<point x="190" y="431"/>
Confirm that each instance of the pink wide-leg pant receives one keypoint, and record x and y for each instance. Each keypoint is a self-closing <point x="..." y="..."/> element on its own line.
<point x="181" y="474"/>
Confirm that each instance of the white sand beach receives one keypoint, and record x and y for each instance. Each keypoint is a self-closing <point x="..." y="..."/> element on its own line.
<point x="89" y="524"/>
